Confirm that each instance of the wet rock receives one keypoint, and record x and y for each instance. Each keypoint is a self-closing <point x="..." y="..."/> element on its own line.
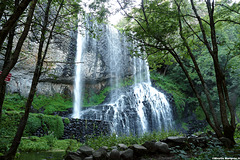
<point x="162" y="147"/>
<point x="127" y="155"/>
<point x="122" y="146"/>
<point x="138" y="150"/>
<point x="88" y="158"/>
<point x="86" y="150"/>
<point x="100" y="154"/>
<point x="177" y="139"/>
<point x="115" y="154"/>
<point x="114" y="147"/>
<point x="150" y="145"/>
<point x="72" y="156"/>
<point x="105" y="147"/>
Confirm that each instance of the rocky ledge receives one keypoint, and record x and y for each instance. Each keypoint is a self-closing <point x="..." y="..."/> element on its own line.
<point x="164" y="149"/>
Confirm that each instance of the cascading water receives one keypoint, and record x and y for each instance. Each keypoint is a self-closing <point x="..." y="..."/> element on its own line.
<point x="132" y="109"/>
<point x="78" y="83"/>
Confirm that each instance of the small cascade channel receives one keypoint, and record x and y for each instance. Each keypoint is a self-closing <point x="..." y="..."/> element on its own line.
<point x="132" y="109"/>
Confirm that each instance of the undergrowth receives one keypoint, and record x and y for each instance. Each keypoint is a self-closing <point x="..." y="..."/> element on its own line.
<point x="47" y="143"/>
<point x="52" y="125"/>
<point x="41" y="103"/>
<point x="114" y="140"/>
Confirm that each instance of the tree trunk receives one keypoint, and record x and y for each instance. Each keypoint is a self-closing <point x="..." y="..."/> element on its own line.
<point x="220" y="79"/>
<point x="14" y="57"/>
<point x="37" y="73"/>
<point x="6" y="61"/>
<point x="217" y="131"/>
<point x="196" y="67"/>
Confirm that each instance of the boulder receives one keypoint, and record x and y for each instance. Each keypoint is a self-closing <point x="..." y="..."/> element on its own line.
<point x="138" y="150"/>
<point x="100" y="154"/>
<point x="127" y="155"/>
<point x="88" y="158"/>
<point x="72" y="156"/>
<point x="162" y="147"/>
<point x="105" y="147"/>
<point x="114" y="147"/>
<point x="86" y="150"/>
<point x="150" y="145"/>
<point x="122" y="146"/>
<point x="177" y="139"/>
<point x="115" y="154"/>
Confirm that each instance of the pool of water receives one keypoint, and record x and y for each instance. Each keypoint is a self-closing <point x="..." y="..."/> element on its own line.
<point x="41" y="156"/>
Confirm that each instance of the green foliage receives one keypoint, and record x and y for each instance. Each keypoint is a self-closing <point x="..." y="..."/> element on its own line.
<point x="14" y="102"/>
<point x="34" y="144"/>
<point x="114" y="140"/>
<point x="8" y="128"/>
<point x="47" y="143"/>
<point x="185" y="126"/>
<point x="51" y="104"/>
<point x="67" y="145"/>
<point x="66" y="121"/>
<point x="51" y="139"/>
<point x="47" y="104"/>
<point x="52" y="124"/>
<point x="33" y="123"/>
<point x="91" y="98"/>
<point x="199" y="113"/>
<point x="9" y="124"/>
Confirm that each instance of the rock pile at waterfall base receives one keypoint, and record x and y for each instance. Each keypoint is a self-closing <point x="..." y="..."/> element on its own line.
<point x="167" y="149"/>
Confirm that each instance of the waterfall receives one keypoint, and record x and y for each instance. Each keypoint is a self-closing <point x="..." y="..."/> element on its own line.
<point x="78" y="81"/>
<point x="132" y="109"/>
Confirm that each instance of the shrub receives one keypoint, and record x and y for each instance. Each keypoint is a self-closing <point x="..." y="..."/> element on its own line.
<point x="66" y="121"/>
<point x="46" y="143"/>
<point x="51" y="139"/>
<point x="34" y="145"/>
<point x="52" y="124"/>
<point x="34" y="122"/>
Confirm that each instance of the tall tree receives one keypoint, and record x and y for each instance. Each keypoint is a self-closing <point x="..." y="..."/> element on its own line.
<point x="11" y="58"/>
<point x="54" y="12"/>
